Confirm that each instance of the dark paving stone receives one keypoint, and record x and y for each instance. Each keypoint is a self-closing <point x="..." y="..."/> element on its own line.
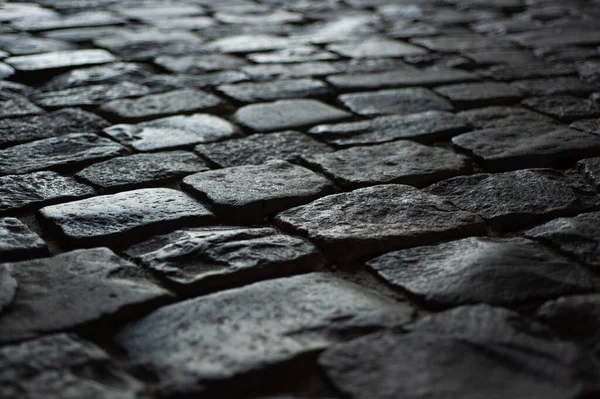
<point x="17" y="241"/>
<point x="276" y="90"/>
<point x="501" y="56"/>
<point x="78" y="287"/>
<point x="173" y="132"/>
<point x="469" y="95"/>
<point x="141" y="170"/>
<point x="287" y="114"/>
<point x="37" y="189"/>
<point x="59" y="60"/>
<point x="124" y="216"/>
<point x="500" y="117"/>
<point x="259" y="148"/>
<point x="442" y="359"/>
<point x="591" y="126"/>
<point x="304" y="53"/>
<point x="108" y="74"/>
<point x="553" y="86"/>
<point x="566" y="54"/>
<point x="89" y="95"/>
<point x="199" y="63"/>
<point x="533" y="145"/>
<point x="267" y="324"/>
<point x="62" y="366"/>
<point x="556" y="38"/>
<point x="589" y="71"/>
<point x="513" y="198"/>
<point x="250" y="193"/>
<point x="590" y="168"/>
<point x="457" y="44"/>
<point x="403" y="162"/>
<point x="64" y="152"/>
<point x="25" y="44"/>
<point x="12" y="106"/>
<point x="375" y="48"/>
<point x="425" y="126"/>
<point x="483" y="270"/>
<point x="369" y="221"/>
<point x="68" y="120"/>
<point x="502" y="27"/>
<point x="399" y="101"/>
<point x="564" y="108"/>
<point x="202" y="260"/>
<point x="528" y="70"/>
<point x="163" y="104"/>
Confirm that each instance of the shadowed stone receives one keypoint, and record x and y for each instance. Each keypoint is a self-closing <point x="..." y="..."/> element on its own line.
<point x="400" y="102"/>
<point x="12" y="106"/>
<point x="590" y="168"/>
<point x="6" y="71"/>
<point x="456" y="44"/>
<point x="564" y="108"/>
<point x="528" y="70"/>
<point x="89" y="95"/>
<point x="59" y="59"/>
<point x="502" y="117"/>
<point x="18" y="241"/>
<point x="553" y="86"/>
<point x="469" y="95"/>
<point x="556" y="38"/>
<point x="591" y="126"/>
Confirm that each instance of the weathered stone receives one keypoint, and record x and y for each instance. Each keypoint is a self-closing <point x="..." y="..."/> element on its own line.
<point x="59" y="59"/>
<point x="470" y="95"/>
<point x="369" y="221"/>
<point x="528" y="70"/>
<point x="72" y="289"/>
<point x="259" y="148"/>
<point x="565" y="108"/>
<point x="25" y="44"/>
<point x="63" y="152"/>
<point x="124" y="216"/>
<point x="89" y="95"/>
<point x="276" y="90"/>
<point x="514" y="198"/>
<point x="63" y="366"/>
<point x="248" y="43"/>
<point x="267" y="323"/>
<point x="456" y="44"/>
<point x="12" y="106"/>
<point x="556" y="38"/>
<point x="173" y="132"/>
<point x="403" y="162"/>
<point x="199" y="63"/>
<point x="37" y="189"/>
<point x="288" y="71"/>
<point x="184" y="23"/>
<point x="141" y="170"/>
<point x="6" y="71"/>
<point x="109" y="74"/>
<point x="500" y="117"/>
<point x="162" y="104"/>
<point x="425" y="126"/>
<point x="495" y="271"/>
<point x="553" y="86"/>
<point x="18" y="241"/>
<point x="590" y="168"/>
<point x="304" y="53"/>
<point x="501" y="56"/>
<point x="374" y="48"/>
<point x="150" y="12"/>
<point x="399" y="101"/>
<point x="77" y="20"/>
<point x="202" y="260"/>
<point x="287" y="114"/>
<point x="250" y="193"/>
<point x="591" y="126"/>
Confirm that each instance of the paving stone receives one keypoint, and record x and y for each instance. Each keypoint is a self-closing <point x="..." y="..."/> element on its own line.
<point x="250" y="193"/>
<point x="64" y="152"/>
<point x="588" y="71"/>
<point x="496" y="271"/>
<point x="275" y="90"/>
<point x="403" y="162"/>
<point x="113" y="73"/>
<point x="141" y="170"/>
<point x="442" y="359"/>
<point x="25" y="44"/>
<point x="248" y="43"/>
<point x="271" y="17"/>
<point x="149" y="12"/>
<point x="63" y="366"/>
<point x="67" y="120"/>
<point x="425" y="126"/>
<point x="398" y="101"/>
<point x="564" y="108"/>
<point x="287" y="114"/>
<point x="37" y="189"/>
<point x="17" y="241"/>
<point x="163" y="104"/>
<point x="59" y="59"/>
<point x="591" y="126"/>
<point x="199" y="63"/>
<point x="259" y="148"/>
<point x="173" y="132"/>
<point x="77" y="20"/>
<point x="528" y="70"/>
<point x="556" y="38"/>
<point x="89" y="95"/>
<point x="12" y="106"/>
<point x="499" y="117"/>
<point x="80" y="35"/>
<point x="457" y="44"/>
<point x="78" y="287"/>
<point x="553" y="86"/>
<point x="501" y="56"/>
<point x="267" y="324"/>
<point x="566" y="54"/>
<point x="513" y="198"/>
<point x="469" y="95"/>
<point x="304" y="53"/>
<point x="372" y="220"/>
<point x="590" y="168"/>
<point x="125" y="216"/>
<point x="202" y="260"/>
<point x="6" y="71"/>
<point x="374" y="48"/>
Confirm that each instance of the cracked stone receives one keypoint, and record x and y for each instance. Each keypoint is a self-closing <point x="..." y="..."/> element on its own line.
<point x="59" y="59"/>
<point x="399" y="102"/>
<point x="124" y="216"/>
<point x="375" y="48"/>
<point x="471" y="95"/>
<point x="89" y="95"/>
<point x="500" y="117"/>
<point x="250" y="193"/>
<point x="564" y="108"/>
<point x="18" y="241"/>
<point x="276" y="90"/>
<point x="199" y="63"/>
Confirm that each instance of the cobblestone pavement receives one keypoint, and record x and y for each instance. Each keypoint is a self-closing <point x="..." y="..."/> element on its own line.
<point x="273" y="199"/>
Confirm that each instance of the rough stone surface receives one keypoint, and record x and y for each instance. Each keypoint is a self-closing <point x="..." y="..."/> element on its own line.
<point x="590" y="168"/>
<point x="564" y="108"/>
<point x="276" y="90"/>
<point x="587" y="125"/>
<point x="469" y="95"/>
<point x="499" y="117"/>
<point x="376" y="48"/>
<point x="12" y="106"/>
<point x="553" y="86"/>
<point x="59" y="59"/>
<point x="399" y="102"/>
<point x="89" y="95"/>
<point x="18" y="241"/>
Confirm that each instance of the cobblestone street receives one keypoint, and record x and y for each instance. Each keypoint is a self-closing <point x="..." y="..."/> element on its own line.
<point x="311" y="199"/>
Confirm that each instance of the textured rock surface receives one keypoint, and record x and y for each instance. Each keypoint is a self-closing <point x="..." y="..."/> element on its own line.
<point x="89" y="95"/>
<point x="59" y="59"/>
<point x="400" y="101"/>
<point x="469" y="95"/>
<point x="276" y="90"/>
<point x="498" y="117"/>
<point x="18" y="241"/>
<point x="590" y="168"/>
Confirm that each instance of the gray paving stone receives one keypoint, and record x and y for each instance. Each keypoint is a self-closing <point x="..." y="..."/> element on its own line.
<point x="129" y="215"/>
<point x="37" y="189"/>
<point x="496" y="271"/>
<point x="553" y="86"/>
<point x="591" y="126"/>
<point x="25" y="44"/>
<point x="204" y="260"/>
<point x="501" y="56"/>
<point x="275" y="90"/>
<point x="162" y="104"/>
<point x="425" y="126"/>
<point x="173" y="132"/>
<point x="59" y="60"/>
<point x="12" y="106"/>
<point x="248" y="43"/>
<point x="556" y="38"/>
<point x="289" y="71"/>
<point x="499" y="117"/>
<point x="529" y="70"/>
<point x="149" y="12"/>
<point x="564" y="108"/>
<point x="403" y="162"/>
<point x="375" y="48"/>
<point x="141" y="170"/>
<point x="260" y="148"/>
<point x="469" y="95"/>
<point x="267" y="324"/>
<point x="63" y="152"/>
<point x="199" y="63"/>
<point x="18" y="241"/>
<point x="6" y="71"/>
<point x="588" y="71"/>
<point x="252" y="192"/>
<point x="77" y="20"/>
<point x="301" y="53"/>
<point x="457" y="44"/>
<point x="78" y="287"/>
<point x="398" y="101"/>
<point x="89" y="95"/>
<point x="184" y="23"/>
<point x="287" y="114"/>
<point x="590" y="168"/>
<point x="372" y="220"/>
<point x="513" y="198"/>
<point x="108" y="74"/>
<point x="63" y="366"/>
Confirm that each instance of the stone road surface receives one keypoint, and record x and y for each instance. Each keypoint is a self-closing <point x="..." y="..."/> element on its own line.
<point x="276" y="199"/>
